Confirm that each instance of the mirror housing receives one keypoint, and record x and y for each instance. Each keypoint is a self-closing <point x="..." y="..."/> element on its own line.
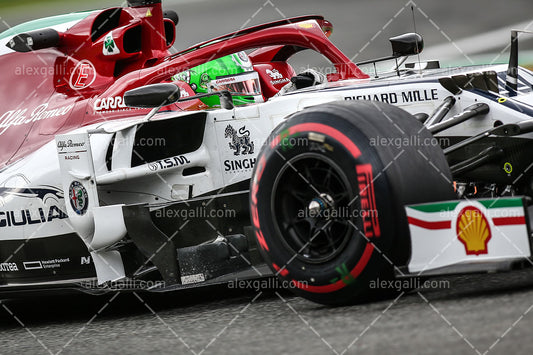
<point x="402" y="46"/>
<point x="406" y="44"/>
<point x="34" y="40"/>
<point x="151" y="96"/>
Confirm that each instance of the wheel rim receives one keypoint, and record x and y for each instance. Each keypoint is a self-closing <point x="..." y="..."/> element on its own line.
<point x="312" y="208"/>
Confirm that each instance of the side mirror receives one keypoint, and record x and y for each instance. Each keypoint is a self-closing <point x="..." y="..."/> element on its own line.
<point x="32" y="41"/>
<point x="172" y="15"/>
<point x="154" y="95"/>
<point x="406" y="44"/>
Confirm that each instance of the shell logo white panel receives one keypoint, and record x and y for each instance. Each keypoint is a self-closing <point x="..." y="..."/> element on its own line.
<point x="454" y="232"/>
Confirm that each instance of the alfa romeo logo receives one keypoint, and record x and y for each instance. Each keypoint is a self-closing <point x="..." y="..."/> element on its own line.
<point x="79" y="199"/>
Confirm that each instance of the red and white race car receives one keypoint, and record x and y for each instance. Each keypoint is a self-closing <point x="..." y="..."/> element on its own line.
<point x="117" y="173"/>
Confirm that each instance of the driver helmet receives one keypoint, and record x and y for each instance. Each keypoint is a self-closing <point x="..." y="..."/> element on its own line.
<point x="234" y="73"/>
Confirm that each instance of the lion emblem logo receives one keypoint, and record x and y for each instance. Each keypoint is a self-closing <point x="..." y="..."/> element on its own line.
<point x="240" y="141"/>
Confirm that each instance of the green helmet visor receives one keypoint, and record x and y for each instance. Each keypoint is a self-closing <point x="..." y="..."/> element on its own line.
<point x="244" y="84"/>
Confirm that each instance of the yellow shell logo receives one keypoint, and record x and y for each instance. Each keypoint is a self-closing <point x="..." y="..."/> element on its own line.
<point x="473" y="230"/>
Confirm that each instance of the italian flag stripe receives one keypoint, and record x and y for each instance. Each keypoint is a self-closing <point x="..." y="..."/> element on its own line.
<point x="435" y="216"/>
<point x="501" y="203"/>
<point x="429" y="225"/>
<point x="435" y="207"/>
<point x="508" y="221"/>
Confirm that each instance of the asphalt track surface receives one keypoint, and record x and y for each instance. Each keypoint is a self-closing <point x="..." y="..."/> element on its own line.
<point x="472" y="314"/>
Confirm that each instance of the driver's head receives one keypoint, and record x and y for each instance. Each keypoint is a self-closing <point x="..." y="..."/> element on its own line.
<point x="234" y="73"/>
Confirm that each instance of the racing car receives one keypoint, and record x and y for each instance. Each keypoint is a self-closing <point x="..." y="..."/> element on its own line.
<point x="127" y="165"/>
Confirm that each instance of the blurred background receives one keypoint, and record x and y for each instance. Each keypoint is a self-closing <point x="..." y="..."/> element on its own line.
<point x="457" y="32"/>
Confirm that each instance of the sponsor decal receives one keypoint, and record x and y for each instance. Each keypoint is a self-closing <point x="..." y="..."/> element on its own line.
<point x="8" y="267"/>
<point x="403" y="97"/>
<point x="225" y="81"/>
<point x="79" y="199"/>
<point x="281" y="81"/>
<point x="305" y="25"/>
<point x="277" y="77"/>
<point x="169" y="163"/>
<point x="45" y="264"/>
<point x="473" y="230"/>
<point x="365" y="181"/>
<point x="41" y="112"/>
<point x="54" y="263"/>
<point x="148" y="13"/>
<point x="85" y="260"/>
<point x="482" y="228"/>
<point x="274" y="74"/>
<point x="83" y="75"/>
<point x="109" y="103"/>
<point x="110" y="47"/>
<point x="240" y="141"/>
<point x="28" y="217"/>
<point x="61" y="145"/>
<point x="239" y="164"/>
<point x="241" y="144"/>
<point x="31" y="216"/>
<point x="32" y="265"/>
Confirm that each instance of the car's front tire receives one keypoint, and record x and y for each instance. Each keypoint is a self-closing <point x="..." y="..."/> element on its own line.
<point x="327" y="201"/>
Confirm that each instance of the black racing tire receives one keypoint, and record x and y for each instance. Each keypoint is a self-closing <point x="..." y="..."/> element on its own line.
<point x="328" y="194"/>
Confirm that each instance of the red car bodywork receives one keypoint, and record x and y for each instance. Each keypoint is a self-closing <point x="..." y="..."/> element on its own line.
<point x="83" y="86"/>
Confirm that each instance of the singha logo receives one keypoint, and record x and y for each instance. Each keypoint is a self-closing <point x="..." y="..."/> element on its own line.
<point x="274" y="74"/>
<point x="240" y="142"/>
